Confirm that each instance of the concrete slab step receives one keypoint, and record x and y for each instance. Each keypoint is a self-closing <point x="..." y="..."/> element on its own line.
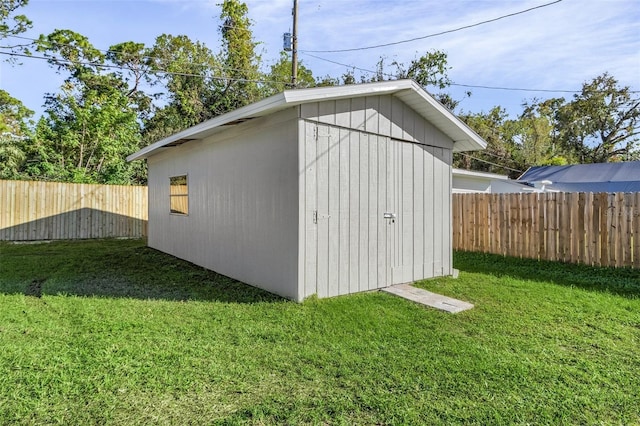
<point x="428" y="298"/>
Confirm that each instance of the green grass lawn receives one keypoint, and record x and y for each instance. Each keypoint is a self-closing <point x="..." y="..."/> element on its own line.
<point x="112" y="332"/>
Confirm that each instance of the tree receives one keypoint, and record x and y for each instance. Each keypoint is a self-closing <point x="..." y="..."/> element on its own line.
<point x="189" y="73"/>
<point x="14" y="134"/>
<point x="279" y="77"/>
<point x="91" y="125"/>
<point x="135" y="70"/>
<point x="538" y="138"/>
<point x="429" y="69"/>
<point x="200" y="84"/>
<point x="500" y="132"/>
<point x="241" y="63"/>
<point x="88" y="133"/>
<point x="71" y="52"/>
<point x="13" y="24"/>
<point x="600" y="124"/>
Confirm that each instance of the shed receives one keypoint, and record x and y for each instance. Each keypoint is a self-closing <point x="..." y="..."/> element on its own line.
<point x="323" y="191"/>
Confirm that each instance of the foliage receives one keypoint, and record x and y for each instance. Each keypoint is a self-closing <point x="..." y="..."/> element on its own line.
<point x="114" y="102"/>
<point x="429" y="69"/>
<point x="601" y="123"/>
<point x="14" y="135"/>
<point x="14" y="116"/>
<point x="13" y="24"/>
<point x="241" y="63"/>
<point x="88" y="134"/>
<point x="200" y="84"/>
<point x="279" y="77"/>
<point x="113" y="332"/>
<point x="92" y="125"/>
<point x="501" y="133"/>
<point x="538" y="139"/>
<point x="187" y="70"/>
<point x="132" y="67"/>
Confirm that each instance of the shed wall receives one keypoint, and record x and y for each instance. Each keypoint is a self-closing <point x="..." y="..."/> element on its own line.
<point x="391" y="161"/>
<point x="384" y="115"/>
<point x="243" y="203"/>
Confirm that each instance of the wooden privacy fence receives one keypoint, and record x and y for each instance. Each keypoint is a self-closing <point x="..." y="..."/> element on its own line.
<point x="595" y="229"/>
<point x="31" y="211"/>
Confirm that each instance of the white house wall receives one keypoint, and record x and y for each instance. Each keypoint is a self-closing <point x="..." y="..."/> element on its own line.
<point x="470" y="184"/>
<point x="243" y="203"/>
<point x="507" y="187"/>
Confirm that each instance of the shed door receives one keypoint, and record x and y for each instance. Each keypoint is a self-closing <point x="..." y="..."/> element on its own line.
<point x="352" y="211"/>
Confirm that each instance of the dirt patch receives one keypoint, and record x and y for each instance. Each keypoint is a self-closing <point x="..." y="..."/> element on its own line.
<point x="35" y="288"/>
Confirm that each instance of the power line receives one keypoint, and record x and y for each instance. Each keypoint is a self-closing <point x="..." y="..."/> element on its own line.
<point x="223" y="68"/>
<point x="489" y="162"/>
<point x="472" y="86"/>
<point x="514" y="89"/>
<point x="65" y="61"/>
<point x="346" y="65"/>
<point x="115" y="52"/>
<point x="434" y="34"/>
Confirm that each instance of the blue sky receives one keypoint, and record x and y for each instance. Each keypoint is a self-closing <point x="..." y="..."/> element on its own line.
<point x="555" y="47"/>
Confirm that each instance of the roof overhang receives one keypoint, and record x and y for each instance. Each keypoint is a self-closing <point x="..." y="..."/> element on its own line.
<point x="464" y="138"/>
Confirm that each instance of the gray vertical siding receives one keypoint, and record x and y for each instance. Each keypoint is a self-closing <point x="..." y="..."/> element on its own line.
<point x="359" y="159"/>
<point x="344" y="185"/>
<point x="382" y="115"/>
<point x="294" y="202"/>
<point x="243" y="203"/>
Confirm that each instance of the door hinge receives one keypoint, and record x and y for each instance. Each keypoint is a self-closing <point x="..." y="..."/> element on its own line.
<point x="315" y="216"/>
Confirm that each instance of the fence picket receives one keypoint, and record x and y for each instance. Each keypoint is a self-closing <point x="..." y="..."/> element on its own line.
<point x="54" y="210"/>
<point x="636" y="230"/>
<point x="594" y="229"/>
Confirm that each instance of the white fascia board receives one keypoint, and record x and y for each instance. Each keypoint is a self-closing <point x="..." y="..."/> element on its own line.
<point x="525" y="172"/>
<point x="253" y="110"/>
<point x="462" y="172"/>
<point x="272" y="103"/>
<point x="318" y="94"/>
<point x="409" y="91"/>
<point x="464" y="138"/>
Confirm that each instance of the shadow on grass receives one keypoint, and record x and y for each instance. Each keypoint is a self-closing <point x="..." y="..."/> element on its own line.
<point x="620" y="281"/>
<point x="115" y="269"/>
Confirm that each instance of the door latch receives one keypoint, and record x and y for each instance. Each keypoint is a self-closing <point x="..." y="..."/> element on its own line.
<point x="320" y="216"/>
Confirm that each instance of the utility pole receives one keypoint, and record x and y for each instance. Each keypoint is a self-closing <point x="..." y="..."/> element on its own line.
<point x="294" y="49"/>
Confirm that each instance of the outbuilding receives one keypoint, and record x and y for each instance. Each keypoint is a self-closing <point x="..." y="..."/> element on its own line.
<point x="323" y="191"/>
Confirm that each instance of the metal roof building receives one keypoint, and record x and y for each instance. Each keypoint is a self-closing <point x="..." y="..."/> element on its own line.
<point x="599" y="177"/>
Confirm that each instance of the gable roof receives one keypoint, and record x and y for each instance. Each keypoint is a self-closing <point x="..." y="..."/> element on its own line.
<point x="408" y="91"/>
<point x="599" y="177"/>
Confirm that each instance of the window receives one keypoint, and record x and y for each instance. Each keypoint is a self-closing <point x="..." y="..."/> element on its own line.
<point x="179" y="194"/>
